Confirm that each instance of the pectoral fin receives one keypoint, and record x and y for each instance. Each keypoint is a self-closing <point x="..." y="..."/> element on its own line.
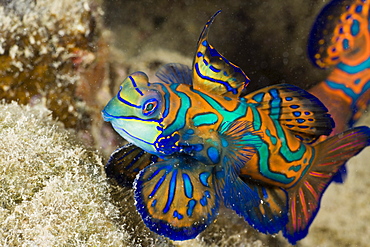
<point x="240" y="141"/>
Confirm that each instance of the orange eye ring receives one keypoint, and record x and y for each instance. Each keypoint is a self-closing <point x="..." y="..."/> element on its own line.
<point x="149" y="107"/>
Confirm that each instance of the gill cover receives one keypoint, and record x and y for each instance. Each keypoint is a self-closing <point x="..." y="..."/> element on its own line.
<point x="136" y="111"/>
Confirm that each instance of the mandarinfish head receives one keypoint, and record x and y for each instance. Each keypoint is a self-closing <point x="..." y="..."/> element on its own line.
<point x="136" y="112"/>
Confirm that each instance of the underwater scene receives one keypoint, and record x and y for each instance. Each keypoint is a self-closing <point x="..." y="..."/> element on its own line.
<point x="184" y="123"/>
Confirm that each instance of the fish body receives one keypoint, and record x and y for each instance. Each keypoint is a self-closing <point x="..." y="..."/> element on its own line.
<point x="198" y="143"/>
<point x="198" y="128"/>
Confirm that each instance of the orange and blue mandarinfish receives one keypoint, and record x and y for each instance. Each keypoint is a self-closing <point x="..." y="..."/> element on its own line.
<point x="197" y="143"/>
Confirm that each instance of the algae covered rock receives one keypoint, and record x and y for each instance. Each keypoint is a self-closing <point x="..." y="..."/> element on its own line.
<point x="42" y="46"/>
<point x="52" y="190"/>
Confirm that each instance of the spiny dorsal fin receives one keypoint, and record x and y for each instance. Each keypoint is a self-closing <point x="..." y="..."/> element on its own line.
<point x="175" y="73"/>
<point x="212" y="72"/>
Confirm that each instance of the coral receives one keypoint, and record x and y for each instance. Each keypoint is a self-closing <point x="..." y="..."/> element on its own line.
<point x="52" y="190"/>
<point x="42" y="45"/>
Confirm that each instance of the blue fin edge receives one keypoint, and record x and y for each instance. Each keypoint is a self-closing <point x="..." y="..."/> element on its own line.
<point x="161" y="227"/>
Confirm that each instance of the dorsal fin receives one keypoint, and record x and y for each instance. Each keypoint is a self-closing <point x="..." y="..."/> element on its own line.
<point x="212" y="72"/>
<point x="175" y="73"/>
<point x="295" y="109"/>
<point x="339" y="33"/>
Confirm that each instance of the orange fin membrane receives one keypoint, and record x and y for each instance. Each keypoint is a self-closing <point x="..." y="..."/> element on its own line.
<point x="270" y="216"/>
<point x="304" y="198"/>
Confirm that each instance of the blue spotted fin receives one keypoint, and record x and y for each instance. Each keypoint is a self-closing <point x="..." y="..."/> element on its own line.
<point x="126" y="162"/>
<point x="262" y="206"/>
<point x="177" y="198"/>
<point x="305" y="197"/>
<point x="240" y="142"/>
<point x="175" y="73"/>
<point x="296" y="109"/>
<point x="212" y="72"/>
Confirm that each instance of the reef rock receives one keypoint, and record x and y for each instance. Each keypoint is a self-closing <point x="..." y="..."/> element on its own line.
<point x="43" y="45"/>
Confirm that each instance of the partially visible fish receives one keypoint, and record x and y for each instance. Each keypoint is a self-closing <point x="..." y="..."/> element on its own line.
<point x="198" y="143"/>
<point x="340" y="38"/>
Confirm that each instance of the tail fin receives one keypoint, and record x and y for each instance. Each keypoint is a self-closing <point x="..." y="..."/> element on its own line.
<point x="304" y="199"/>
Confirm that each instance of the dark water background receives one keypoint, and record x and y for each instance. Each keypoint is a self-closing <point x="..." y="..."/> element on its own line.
<point x="267" y="39"/>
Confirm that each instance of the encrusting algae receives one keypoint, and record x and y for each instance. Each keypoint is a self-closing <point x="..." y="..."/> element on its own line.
<point x="52" y="190"/>
<point x="42" y="45"/>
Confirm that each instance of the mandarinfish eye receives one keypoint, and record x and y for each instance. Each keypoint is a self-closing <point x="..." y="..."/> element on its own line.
<point x="149" y="107"/>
